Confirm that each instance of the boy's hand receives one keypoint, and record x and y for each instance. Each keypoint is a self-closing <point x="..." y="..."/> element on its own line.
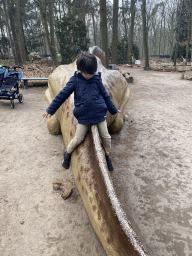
<point x="119" y="111"/>
<point x="46" y="115"/>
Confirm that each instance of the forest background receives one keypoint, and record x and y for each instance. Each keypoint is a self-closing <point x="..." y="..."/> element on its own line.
<point x="124" y="29"/>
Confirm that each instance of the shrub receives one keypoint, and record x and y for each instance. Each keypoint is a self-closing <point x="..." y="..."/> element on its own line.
<point x="71" y="34"/>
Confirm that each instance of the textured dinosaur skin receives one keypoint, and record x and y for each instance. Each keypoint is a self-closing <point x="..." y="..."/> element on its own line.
<point x="88" y="163"/>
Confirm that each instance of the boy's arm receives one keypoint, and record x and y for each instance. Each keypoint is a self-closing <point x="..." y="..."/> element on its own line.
<point x="111" y="107"/>
<point x="62" y="96"/>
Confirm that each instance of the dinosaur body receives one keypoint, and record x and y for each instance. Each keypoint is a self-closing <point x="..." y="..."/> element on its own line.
<point x="88" y="162"/>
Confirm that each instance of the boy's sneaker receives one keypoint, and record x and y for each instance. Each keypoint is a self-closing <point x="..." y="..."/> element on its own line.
<point x="109" y="164"/>
<point x="66" y="160"/>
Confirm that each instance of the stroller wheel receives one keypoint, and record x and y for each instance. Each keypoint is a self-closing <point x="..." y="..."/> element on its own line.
<point x="12" y="104"/>
<point x="20" y="97"/>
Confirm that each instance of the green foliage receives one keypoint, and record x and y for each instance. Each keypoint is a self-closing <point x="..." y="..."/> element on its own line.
<point x="122" y="47"/>
<point x="4" y="46"/>
<point x="181" y="53"/>
<point x="4" y="41"/>
<point x="71" y="34"/>
<point x="34" y="44"/>
<point x="32" y="25"/>
<point x="122" y="51"/>
<point x="135" y="51"/>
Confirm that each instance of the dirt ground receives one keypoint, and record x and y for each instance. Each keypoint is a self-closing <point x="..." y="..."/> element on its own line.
<point x="152" y="156"/>
<point x="152" y="177"/>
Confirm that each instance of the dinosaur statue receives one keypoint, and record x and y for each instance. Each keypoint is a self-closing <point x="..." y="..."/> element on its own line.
<point x="88" y="162"/>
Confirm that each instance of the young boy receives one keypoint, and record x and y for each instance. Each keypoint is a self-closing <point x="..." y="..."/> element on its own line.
<point x="91" y="105"/>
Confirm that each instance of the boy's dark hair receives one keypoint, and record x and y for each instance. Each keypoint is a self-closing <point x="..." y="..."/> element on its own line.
<point x="87" y="63"/>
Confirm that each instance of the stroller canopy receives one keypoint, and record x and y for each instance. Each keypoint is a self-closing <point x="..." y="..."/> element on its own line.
<point x="19" y="74"/>
<point x="8" y="72"/>
<point x="4" y="72"/>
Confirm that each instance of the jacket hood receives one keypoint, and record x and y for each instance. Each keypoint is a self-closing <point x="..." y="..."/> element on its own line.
<point x="96" y="76"/>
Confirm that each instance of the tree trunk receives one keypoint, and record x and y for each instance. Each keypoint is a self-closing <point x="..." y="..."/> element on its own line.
<point x="115" y="31"/>
<point x="18" y="59"/>
<point x="94" y="26"/>
<point x="103" y="28"/>
<point x="3" y="50"/>
<point x="130" y="44"/>
<point x="160" y="36"/>
<point x="124" y="22"/>
<point x="189" y="30"/>
<point x="8" y="28"/>
<point x="83" y="11"/>
<point x="178" y="34"/>
<point x="49" y="36"/>
<point x="145" y="34"/>
<point x="20" y="33"/>
<point x="52" y="46"/>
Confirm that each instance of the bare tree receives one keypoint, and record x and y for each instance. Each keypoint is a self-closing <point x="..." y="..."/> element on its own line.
<point x="178" y="31"/>
<point x="103" y="29"/>
<point x="115" y="31"/>
<point x="16" y="51"/>
<point x="125" y="26"/>
<point x="189" y="29"/>
<point x="52" y="35"/>
<point x="20" y="32"/>
<point x="145" y="34"/>
<point x="8" y="26"/>
<point x="92" y="9"/>
<point x="49" y="33"/>
<point x="124" y="21"/>
<point x="130" y="44"/>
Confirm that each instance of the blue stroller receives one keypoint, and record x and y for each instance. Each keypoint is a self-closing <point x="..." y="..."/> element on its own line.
<point x="10" y="79"/>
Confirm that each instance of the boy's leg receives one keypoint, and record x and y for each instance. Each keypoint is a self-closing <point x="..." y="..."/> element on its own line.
<point x="81" y="131"/>
<point x="106" y="140"/>
<point x="105" y="136"/>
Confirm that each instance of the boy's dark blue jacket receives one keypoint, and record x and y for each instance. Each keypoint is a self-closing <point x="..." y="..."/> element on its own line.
<point x="90" y="97"/>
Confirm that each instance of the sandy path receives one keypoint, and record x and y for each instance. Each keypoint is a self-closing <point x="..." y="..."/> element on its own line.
<point x="34" y="219"/>
<point x="152" y="178"/>
<point x="152" y="155"/>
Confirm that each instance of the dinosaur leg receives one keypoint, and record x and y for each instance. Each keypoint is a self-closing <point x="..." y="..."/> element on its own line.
<point x="53" y="124"/>
<point x="117" y="124"/>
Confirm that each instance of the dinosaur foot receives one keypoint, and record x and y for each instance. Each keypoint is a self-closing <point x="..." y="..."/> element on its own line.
<point x="65" y="188"/>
